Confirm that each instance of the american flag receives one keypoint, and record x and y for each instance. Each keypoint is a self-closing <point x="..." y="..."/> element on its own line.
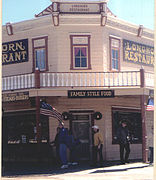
<point x="48" y="110"/>
<point x="150" y="105"/>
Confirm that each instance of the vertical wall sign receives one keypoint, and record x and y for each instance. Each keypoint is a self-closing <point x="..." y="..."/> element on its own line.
<point x="15" y="52"/>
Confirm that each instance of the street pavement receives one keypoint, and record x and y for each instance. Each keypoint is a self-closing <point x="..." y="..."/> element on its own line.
<point x="131" y="171"/>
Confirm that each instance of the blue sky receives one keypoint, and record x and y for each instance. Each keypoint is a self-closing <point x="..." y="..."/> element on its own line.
<point x="134" y="11"/>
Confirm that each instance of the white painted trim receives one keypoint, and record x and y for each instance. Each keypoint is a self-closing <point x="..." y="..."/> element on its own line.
<point x="113" y="36"/>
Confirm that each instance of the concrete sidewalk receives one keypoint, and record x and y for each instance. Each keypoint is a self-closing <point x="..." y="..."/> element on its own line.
<point x="131" y="171"/>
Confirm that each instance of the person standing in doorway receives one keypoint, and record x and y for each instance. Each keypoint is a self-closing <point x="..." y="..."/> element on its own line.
<point x="98" y="146"/>
<point x="123" y="137"/>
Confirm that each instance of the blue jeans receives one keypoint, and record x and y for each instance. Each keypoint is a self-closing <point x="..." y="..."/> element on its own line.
<point x="63" y="153"/>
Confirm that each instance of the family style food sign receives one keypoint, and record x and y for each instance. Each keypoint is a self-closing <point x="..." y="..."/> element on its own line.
<point x="138" y="53"/>
<point x="15" y="52"/>
<point x="90" y="93"/>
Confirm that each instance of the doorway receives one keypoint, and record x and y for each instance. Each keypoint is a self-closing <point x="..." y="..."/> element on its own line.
<point x="81" y="129"/>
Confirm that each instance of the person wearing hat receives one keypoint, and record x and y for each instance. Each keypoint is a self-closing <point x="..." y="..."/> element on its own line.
<point x="98" y="146"/>
<point x="123" y="137"/>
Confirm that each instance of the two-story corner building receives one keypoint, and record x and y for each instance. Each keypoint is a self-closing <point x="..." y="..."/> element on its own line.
<point x="81" y="59"/>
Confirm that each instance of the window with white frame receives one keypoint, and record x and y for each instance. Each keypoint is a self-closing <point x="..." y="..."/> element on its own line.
<point x="80" y="52"/>
<point x="40" y="51"/>
<point x="115" y="53"/>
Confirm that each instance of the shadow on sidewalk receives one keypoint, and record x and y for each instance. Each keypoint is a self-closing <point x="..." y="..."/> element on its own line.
<point x="118" y="170"/>
<point x="19" y="169"/>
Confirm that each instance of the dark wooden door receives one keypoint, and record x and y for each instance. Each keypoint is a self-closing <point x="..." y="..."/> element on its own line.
<point x="81" y="129"/>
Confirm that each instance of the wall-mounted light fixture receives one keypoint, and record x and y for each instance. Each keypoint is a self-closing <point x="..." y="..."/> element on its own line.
<point x="103" y="14"/>
<point x="140" y="30"/>
<point x="9" y="28"/>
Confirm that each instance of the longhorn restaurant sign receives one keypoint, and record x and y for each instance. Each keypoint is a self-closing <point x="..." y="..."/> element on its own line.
<point x="138" y="53"/>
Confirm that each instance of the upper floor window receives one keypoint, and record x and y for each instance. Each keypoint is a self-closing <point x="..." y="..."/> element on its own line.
<point x="40" y="59"/>
<point x="40" y="53"/>
<point x="80" y="52"/>
<point x="115" y="54"/>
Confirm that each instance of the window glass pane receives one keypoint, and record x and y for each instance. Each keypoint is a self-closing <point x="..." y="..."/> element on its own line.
<point x="83" y="51"/>
<point x="84" y="62"/>
<point x="115" y="54"/>
<point x="77" y="51"/>
<point x="77" y="62"/>
<point x="80" y="56"/>
<point x="113" y="63"/>
<point x="116" y="65"/>
<point x="40" y="59"/>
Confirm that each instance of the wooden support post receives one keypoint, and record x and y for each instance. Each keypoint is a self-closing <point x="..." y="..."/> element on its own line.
<point x="38" y="124"/>
<point x="144" y="135"/>
<point x="143" y="117"/>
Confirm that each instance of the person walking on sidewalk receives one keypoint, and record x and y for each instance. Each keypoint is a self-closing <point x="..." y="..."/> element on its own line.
<point x="63" y="135"/>
<point x="98" y="146"/>
<point x="123" y="137"/>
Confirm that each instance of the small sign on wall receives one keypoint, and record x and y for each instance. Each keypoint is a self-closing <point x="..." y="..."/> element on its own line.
<point x="80" y="8"/>
<point x="90" y="93"/>
<point x="18" y="96"/>
<point x="15" y="52"/>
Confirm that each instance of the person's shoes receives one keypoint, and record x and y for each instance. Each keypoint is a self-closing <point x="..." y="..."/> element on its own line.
<point x="65" y="166"/>
<point x="151" y="164"/>
<point x="69" y="163"/>
<point x="122" y="162"/>
<point x="74" y="163"/>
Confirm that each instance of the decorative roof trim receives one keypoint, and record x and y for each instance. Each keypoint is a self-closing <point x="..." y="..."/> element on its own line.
<point x="45" y="12"/>
<point x="49" y="11"/>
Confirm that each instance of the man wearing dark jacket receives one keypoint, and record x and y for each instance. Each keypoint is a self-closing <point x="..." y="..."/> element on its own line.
<point x="124" y="142"/>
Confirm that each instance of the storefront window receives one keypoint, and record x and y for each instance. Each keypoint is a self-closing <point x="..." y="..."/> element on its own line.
<point x="133" y="118"/>
<point x="21" y="128"/>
